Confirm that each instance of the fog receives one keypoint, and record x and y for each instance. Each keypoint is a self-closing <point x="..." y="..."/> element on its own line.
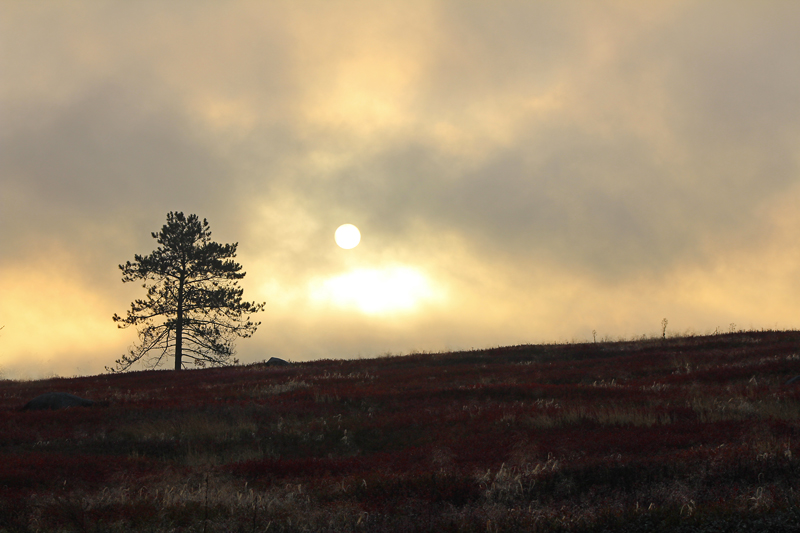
<point x="523" y="172"/>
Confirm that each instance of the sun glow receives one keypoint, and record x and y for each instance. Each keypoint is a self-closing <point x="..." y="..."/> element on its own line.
<point x="375" y="291"/>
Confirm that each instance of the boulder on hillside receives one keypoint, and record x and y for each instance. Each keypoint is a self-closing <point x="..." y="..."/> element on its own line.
<point x="275" y="361"/>
<point x="56" y="400"/>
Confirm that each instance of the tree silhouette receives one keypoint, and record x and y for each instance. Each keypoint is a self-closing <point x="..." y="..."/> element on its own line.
<point x="193" y="306"/>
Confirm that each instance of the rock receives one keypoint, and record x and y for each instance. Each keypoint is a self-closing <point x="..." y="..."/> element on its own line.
<point x="56" y="400"/>
<point x="794" y="380"/>
<point x="274" y="361"/>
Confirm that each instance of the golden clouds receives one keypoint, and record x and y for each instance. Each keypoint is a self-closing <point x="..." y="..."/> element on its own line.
<point x="525" y="171"/>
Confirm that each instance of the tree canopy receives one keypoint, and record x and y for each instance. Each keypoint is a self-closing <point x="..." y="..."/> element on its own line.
<point x="193" y="308"/>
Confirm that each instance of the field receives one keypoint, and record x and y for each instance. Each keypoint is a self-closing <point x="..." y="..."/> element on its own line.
<point x="677" y="434"/>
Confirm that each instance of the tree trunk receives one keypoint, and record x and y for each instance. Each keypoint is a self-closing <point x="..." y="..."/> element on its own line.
<point x="179" y="327"/>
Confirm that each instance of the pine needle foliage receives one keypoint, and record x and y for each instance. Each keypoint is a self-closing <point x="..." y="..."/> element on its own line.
<point x="193" y="309"/>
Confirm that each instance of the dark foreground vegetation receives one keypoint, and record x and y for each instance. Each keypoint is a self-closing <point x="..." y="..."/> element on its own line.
<point x="682" y="434"/>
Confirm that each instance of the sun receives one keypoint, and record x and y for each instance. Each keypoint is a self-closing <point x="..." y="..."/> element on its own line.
<point x="347" y="236"/>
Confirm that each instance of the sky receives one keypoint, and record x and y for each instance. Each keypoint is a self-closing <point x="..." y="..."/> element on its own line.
<point x="520" y="171"/>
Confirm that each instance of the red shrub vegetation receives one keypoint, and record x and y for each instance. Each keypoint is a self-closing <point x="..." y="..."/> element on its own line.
<point x="687" y="431"/>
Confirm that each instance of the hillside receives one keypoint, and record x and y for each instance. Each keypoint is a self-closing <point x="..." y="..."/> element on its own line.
<point x="691" y="433"/>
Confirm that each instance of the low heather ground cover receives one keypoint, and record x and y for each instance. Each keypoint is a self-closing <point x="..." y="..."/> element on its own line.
<point x="682" y="434"/>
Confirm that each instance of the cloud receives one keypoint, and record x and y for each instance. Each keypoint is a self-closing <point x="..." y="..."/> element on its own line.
<point x="550" y="167"/>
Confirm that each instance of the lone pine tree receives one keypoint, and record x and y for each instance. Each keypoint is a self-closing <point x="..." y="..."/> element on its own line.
<point x="193" y="308"/>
